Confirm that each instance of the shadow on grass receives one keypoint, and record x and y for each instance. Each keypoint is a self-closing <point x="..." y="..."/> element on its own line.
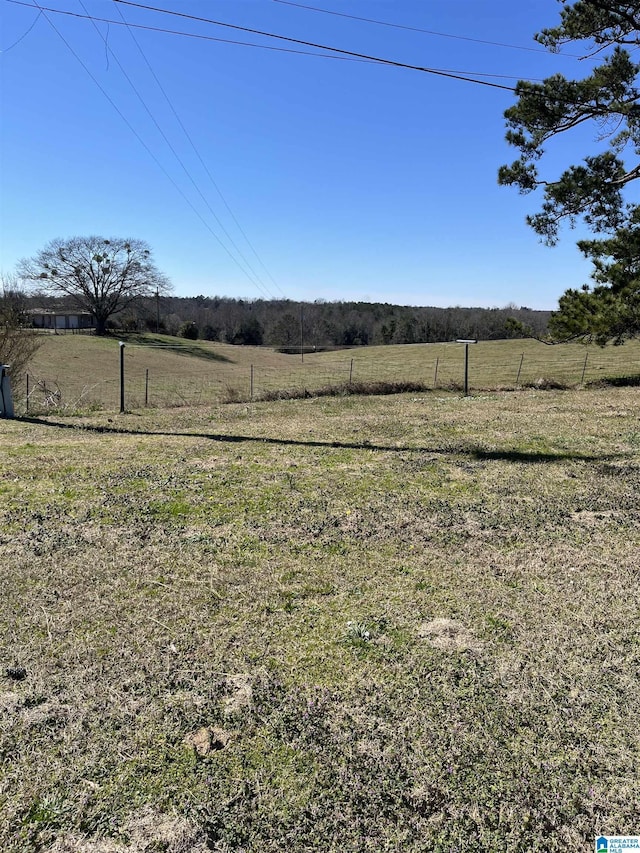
<point x="482" y="454"/>
<point x="178" y="346"/>
<point x="534" y="456"/>
<point x="616" y="382"/>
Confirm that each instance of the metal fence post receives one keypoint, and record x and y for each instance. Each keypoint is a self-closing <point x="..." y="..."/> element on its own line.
<point x="146" y="387"/>
<point x="121" y="377"/>
<point x="519" y="369"/>
<point x="466" y="370"/>
<point x="6" y="399"/>
<point x="466" y="343"/>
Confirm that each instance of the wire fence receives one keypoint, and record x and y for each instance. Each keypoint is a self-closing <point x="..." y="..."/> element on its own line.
<point x="130" y="383"/>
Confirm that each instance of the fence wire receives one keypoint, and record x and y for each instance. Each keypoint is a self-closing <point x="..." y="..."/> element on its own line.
<point x="433" y="366"/>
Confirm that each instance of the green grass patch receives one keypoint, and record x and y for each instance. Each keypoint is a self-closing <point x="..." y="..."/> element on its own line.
<point x="334" y="624"/>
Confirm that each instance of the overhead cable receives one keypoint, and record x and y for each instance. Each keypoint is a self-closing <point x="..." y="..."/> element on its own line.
<point x="32" y="5"/>
<point x="134" y="131"/>
<point x="180" y="161"/>
<point x="336" y="50"/>
<point x="197" y="153"/>
<point x="336" y="53"/>
<point x="421" y="30"/>
<point x="23" y="36"/>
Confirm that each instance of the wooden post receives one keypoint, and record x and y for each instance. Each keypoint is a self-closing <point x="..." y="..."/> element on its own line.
<point x="584" y="367"/>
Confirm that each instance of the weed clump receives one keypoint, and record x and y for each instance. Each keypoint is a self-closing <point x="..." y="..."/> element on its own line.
<point x="547" y="383"/>
<point x="345" y="389"/>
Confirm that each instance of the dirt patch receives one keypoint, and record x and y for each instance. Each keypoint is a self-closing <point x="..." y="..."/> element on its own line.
<point x="148" y="831"/>
<point x="590" y="518"/>
<point x="241" y="694"/>
<point x="449" y="636"/>
<point x="207" y="739"/>
<point x="10" y="702"/>
<point x="46" y="712"/>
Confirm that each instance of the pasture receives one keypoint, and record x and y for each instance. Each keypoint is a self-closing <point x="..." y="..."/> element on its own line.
<point x="75" y="374"/>
<point x="353" y="624"/>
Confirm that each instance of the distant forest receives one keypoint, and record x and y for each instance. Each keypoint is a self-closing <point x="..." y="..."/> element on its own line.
<point x="286" y="324"/>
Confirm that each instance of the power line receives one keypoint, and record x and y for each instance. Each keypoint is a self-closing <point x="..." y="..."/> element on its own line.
<point x="420" y="30"/>
<point x="109" y="50"/>
<point x="23" y="36"/>
<point x="337" y="53"/>
<point x="31" y="5"/>
<point x="134" y="131"/>
<point x="336" y="50"/>
<point x="197" y="153"/>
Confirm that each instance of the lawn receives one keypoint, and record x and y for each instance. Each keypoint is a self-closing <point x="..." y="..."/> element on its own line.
<point x="354" y="624"/>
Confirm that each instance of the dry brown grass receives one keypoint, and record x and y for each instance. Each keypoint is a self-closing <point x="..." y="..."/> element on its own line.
<point x="76" y="374"/>
<point x="405" y="623"/>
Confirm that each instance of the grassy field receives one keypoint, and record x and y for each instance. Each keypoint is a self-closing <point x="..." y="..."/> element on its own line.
<point x="348" y="624"/>
<point x="78" y="373"/>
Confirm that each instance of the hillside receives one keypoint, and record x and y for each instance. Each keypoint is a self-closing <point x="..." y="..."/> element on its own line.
<point x="81" y="372"/>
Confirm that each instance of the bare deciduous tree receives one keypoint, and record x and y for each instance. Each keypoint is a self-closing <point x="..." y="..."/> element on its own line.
<point x="100" y="275"/>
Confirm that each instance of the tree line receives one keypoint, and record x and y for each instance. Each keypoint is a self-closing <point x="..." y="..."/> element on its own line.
<point x="116" y="280"/>
<point x="287" y="324"/>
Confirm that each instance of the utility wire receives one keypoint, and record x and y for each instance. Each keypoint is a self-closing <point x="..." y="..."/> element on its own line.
<point x="134" y="131"/>
<point x="108" y="50"/>
<point x="420" y="30"/>
<point x="23" y="36"/>
<point x="336" y="53"/>
<point x="439" y="72"/>
<point x="31" y="5"/>
<point x="197" y="153"/>
<point x="258" y="283"/>
<point x="337" y="50"/>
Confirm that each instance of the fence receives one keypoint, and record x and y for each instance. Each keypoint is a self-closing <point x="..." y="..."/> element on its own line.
<point x="141" y="377"/>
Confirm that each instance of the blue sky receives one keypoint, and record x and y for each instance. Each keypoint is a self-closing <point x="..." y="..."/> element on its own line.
<point x="334" y="179"/>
